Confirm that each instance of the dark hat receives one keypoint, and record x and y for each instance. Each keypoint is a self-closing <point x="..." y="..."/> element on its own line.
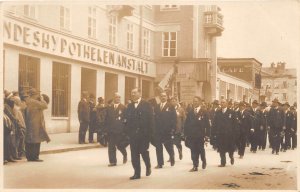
<point x="255" y="102"/>
<point x="275" y="100"/>
<point x="100" y="99"/>
<point x="216" y="102"/>
<point x="33" y="91"/>
<point x="287" y="104"/>
<point x="263" y="104"/>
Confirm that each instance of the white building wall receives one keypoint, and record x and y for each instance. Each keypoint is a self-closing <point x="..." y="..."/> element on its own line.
<point x="11" y="69"/>
<point x="75" y="96"/>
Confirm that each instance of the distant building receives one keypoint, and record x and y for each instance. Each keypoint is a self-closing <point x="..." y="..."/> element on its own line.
<point x="279" y="82"/>
<point x="246" y="70"/>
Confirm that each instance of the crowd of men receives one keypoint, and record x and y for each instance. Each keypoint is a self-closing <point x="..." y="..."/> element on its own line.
<point x="164" y="122"/>
<point x="24" y="125"/>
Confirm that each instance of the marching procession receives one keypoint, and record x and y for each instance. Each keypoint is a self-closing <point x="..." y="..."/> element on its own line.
<point x="164" y="122"/>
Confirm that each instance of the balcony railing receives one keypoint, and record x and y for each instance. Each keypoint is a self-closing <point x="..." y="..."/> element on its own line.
<point x="213" y="21"/>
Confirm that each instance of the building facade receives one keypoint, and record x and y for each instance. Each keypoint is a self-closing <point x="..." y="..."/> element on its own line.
<point x="279" y="82"/>
<point x="244" y="69"/>
<point x="102" y="50"/>
<point x="186" y="39"/>
<point x="113" y="48"/>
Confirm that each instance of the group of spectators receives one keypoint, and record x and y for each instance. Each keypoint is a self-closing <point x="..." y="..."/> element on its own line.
<point x="24" y="125"/>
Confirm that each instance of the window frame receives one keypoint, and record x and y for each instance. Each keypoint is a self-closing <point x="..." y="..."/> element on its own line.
<point x="146" y="36"/>
<point x="170" y="8"/>
<point x="112" y="30"/>
<point x="92" y="22"/>
<point x="129" y="37"/>
<point x="55" y="106"/>
<point x="30" y="9"/>
<point x="169" y="43"/>
<point x="65" y="17"/>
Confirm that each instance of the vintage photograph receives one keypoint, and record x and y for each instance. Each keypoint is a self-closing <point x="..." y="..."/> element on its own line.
<point x="123" y="95"/>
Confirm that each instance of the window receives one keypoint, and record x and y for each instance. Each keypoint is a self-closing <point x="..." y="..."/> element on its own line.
<point x="30" y="11"/>
<point x="130" y="37"/>
<point x="146" y="42"/>
<point x="112" y="30"/>
<point x="64" y="17"/>
<point x="169" y="7"/>
<point x="284" y="96"/>
<point x="29" y="76"/>
<point x="169" y="44"/>
<point x="92" y="22"/>
<point x="60" y="89"/>
<point x="285" y="84"/>
<point x="208" y="18"/>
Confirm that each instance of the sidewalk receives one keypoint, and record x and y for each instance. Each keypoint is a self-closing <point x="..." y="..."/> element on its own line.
<point x="63" y="142"/>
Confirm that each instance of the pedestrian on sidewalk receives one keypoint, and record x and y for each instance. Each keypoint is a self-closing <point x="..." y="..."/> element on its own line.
<point x="139" y="128"/>
<point x="83" y="116"/>
<point x="226" y="132"/>
<point x="35" y="124"/>
<point x="114" y="128"/>
<point x="93" y="118"/>
<point x="21" y="131"/>
<point x="196" y="130"/>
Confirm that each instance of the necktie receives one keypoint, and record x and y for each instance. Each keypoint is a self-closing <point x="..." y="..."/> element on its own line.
<point x="161" y="106"/>
<point x="195" y="111"/>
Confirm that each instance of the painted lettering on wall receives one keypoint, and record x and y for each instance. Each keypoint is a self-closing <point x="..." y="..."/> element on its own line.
<point x="42" y="40"/>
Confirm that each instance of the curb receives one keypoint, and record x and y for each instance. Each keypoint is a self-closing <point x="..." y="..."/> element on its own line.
<point x="69" y="149"/>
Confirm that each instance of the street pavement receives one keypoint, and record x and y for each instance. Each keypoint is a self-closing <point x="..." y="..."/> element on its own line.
<point x="87" y="169"/>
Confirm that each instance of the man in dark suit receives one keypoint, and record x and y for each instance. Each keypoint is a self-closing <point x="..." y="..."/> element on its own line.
<point x="83" y="116"/>
<point x="293" y="127"/>
<point x="276" y="124"/>
<point x="196" y="130"/>
<point x="212" y="113"/>
<point x="256" y="125"/>
<point x="226" y="132"/>
<point x="244" y="125"/>
<point x="114" y="128"/>
<point x="262" y="140"/>
<point x="288" y="119"/>
<point x="139" y="127"/>
<point x="165" y="124"/>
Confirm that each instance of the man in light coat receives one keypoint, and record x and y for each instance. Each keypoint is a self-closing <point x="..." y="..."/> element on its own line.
<point x="35" y="124"/>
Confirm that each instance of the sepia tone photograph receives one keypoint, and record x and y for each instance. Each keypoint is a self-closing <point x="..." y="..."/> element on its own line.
<point x="149" y="95"/>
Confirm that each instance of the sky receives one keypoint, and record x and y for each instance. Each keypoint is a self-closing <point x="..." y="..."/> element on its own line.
<point x="268" y="31"/>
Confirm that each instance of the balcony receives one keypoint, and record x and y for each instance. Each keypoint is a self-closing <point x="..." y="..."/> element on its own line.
<point x="213" y="21"/>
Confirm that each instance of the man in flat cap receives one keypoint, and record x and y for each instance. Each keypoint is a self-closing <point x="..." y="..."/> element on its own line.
<point x="244" y="126"/>
<point x="256" y="125"/>
<point x="276" y="125"/>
